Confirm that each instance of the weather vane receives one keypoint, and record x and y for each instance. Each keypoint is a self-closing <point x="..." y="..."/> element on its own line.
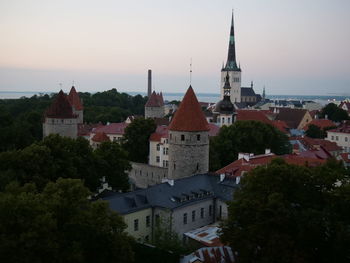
<point x="191" y="72"/>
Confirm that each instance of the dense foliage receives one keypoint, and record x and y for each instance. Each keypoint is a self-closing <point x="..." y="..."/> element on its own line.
<point x="59" y="224"/>
<point x="56" y="157"/>
<point x="136" y="139"/>
<point x="245" y="136"/>
<point x="314" y="131"/>
<point x="334" y="113"/>
<point x="286" y="213"/>
<point x="21" y="119"/>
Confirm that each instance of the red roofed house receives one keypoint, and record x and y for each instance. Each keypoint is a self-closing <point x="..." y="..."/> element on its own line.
<point x="294" y="118"/>
<point x="60" y="118"/>
<point x="345" y="105"/>
<point x="77" y="105"/>
<point x="247" y="162"/>
<point x="341" y="136"/>
<point x="99" y="138"/>
<point x="154" y="107"/>
<point x="114" y="131"/>
<point x="252" y="115"/>
<point x="321" y="123"/>
<point x="188" y="139"/>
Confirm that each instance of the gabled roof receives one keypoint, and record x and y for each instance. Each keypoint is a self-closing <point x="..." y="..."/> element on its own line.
<point x="60" y="108"/>
<point x="112" y="128"/>
<point x="74" y="99"/>
<point x="247" y="92"/>
<point x="292" y="117"/>
<point x="161" y="132"/>
<point x="280" y="125"/>
<point x="189" y="116"/>
<point x="252" y="115"/>
<point x="100" y="137"/>
<point x="155" y="100"/>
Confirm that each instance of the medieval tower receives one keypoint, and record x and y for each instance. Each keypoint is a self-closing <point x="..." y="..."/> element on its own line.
<point x="232" y="69"/>
<point x="76" y="104"/>
<point x="188" y="139"/>
<point x="60" y="118"/>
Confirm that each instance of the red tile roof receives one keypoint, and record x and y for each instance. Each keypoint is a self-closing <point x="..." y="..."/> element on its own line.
<point x="155" y="100"/>
<point x="85" y="129"/>
<point x="189" y="116"/>
<point x="345" y="157"/>
<point x="161" y="132"/>
<point x="313" y="144"/>
<point x="252" y="115"/>
<point x="292" y="117"/>
<point x="112" y="128"/>
<point x="100" y="137"/>
<point x="213" y="129"/>
<point x="74" y="99"/>
<point x="280" y="125"/>
<point x="344" y="128"/>
<point x="237" y="167"/>
<point x="60" y="108"/>
<point x="322" y="123"/>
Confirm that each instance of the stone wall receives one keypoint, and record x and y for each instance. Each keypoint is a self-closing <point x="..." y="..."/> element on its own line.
<point x="143" y="175"/>
<point x="188" y="153"/>
<point x="154" y="112"/>
<point x="63" y="127"/>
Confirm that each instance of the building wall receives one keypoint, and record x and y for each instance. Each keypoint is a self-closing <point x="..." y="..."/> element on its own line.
<point x="306" y="120"/>
<point x="143" y="230"/>
<point x="188" y="156"/>
<point x="178" y="216"/>
<point x="159" y="153"/>
<point x="63" y="127"/>
<point x="235" y="83"/>
<point x="248" y="99"/>
<point x="225" y="119"/>
<point x="143" y="175"/>
<point x="80" y="114"/>
<point x="154" y="112"/>
<point x="310" y="106"/>
<point x="341" y="139"/>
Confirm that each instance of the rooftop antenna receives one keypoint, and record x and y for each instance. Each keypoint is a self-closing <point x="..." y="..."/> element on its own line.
<point x="191" y="72"/>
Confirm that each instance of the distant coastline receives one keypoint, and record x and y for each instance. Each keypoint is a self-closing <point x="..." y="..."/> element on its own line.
<point x="205" y="97"/>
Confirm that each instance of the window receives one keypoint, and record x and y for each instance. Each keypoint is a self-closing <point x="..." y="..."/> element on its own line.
<point x="228" y="120"/>
<point x="166" y="163"/>
<point x="202" y="212"/>
<point x="157" y="159"/>
<point x="148" y="221"/>
<point x="197" y="166"/>
<point x="185" y="218"/>
<point x="198" y="137"/>
<point x="114" y="139"/>
<point x="136" y="225"/>
<point x="158" y="147"/>
<point x="235" y="79"/>
<point x="174" y="166"/>
<point x="182" y="137"/>
<point x="163" y="151"/>
<point x="171" y="136"/>
<point x="346" y="139"/>
<point x="210" y="210"/>
<point x="193" y="215"/>
<point x="223" y="120"/>
<point x="336" y="138"/>
<point x="332" y="138"/>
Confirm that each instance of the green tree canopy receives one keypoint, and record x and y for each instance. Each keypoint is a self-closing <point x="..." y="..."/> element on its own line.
<point x="286" y="213"/>
<point x="245" y="136"/>
<point x="334" y="113"/>
<point x="60" y="225"/>
<point x="314" y="131"/>
<point x="136" y="139"/>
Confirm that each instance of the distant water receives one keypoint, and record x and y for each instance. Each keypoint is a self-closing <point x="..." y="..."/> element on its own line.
<point x="204" y="97"/>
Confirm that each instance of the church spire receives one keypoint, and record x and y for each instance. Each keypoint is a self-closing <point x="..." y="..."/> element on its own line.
<point x="231" y="63"/>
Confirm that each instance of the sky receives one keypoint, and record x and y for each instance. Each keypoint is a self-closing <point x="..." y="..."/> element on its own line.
<point x="296" y="47"/>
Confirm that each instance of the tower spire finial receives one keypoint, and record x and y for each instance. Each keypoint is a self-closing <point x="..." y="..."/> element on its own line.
<point x="191" y="72"/>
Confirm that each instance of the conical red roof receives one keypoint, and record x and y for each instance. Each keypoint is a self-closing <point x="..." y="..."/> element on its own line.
<point x="60" y="108"/>
<point x="153" y="100"/>
<point x="74" y="99"/>
<point x="100" y="137"/>
<point x="189" y="116"/>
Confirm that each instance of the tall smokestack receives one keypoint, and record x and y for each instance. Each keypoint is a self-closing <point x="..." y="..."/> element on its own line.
<point x="149" y="92"/>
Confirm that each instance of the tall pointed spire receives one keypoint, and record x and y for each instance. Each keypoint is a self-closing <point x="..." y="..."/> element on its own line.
<point x="231" y="63"/>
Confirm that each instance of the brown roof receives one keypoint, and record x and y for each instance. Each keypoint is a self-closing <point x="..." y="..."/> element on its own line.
<point x="292" y="117"/>
<point x="60" y="108"/>
<point x="155" y="100"/>
<point x="321" y="123"/>
<point x="100" y="137"/>
<point x="74" y="99"/>
<point x="252" y="115"/>
<point x="189" y="116"/>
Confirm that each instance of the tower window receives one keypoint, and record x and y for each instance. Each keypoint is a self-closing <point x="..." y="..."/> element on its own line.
<point x="174" y="166"/>
<point x="223" y="120"/>
<point x="197" y="166"/>
<point x="185" y="218"/>
<point x="198" y="137"/>
<point x="182" y="137"/>
<point x="193" y="215"/>
<point x="136" y="225"/>
<point x="202" y="212"/>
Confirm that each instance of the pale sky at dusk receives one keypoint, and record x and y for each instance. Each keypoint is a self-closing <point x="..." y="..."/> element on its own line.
<point x="291" y="47"/>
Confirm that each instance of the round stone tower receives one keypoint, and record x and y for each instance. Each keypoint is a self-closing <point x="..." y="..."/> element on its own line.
<point x="188" y="139"/>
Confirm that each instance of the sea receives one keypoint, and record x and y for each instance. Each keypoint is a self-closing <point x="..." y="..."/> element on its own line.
<point x="203" y="97"/>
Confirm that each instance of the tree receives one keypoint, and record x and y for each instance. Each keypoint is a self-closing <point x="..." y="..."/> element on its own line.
<point x="60" y="225"/>
<point x="314" y="131"/>
<point x="245" y="136"/>
<point x="113" y="164"/>
<point x="334" y="113"/>
<point x="136" y="139"/>
<point x="286" y="213"/>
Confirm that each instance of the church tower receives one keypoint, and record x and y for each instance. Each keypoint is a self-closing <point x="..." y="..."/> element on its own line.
<point x="188" y="139"/>
<point x="232" y="69"/>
